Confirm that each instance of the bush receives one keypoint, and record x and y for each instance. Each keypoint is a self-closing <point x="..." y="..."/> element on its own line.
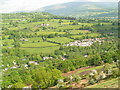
<point x="91" y="81"/>
<point x="76" y="78"/>
<point x="115" y="73"/>
<point x="66" y="79"/>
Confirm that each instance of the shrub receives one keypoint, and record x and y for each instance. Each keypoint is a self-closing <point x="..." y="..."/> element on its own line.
<point x="115" y="73"/>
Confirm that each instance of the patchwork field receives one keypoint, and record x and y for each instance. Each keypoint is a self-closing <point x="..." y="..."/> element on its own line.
<point x="38" y="44"/>
<point x="47" y="33"/>
<point x="61" y="40"/>
<point x="46" y="50"/>
<point x="85" y="35"/>
<point x="79" y="31"/>
<point x="112" y="83"/>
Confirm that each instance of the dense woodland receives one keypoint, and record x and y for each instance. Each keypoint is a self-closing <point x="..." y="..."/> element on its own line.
<point x="37" y="49"/>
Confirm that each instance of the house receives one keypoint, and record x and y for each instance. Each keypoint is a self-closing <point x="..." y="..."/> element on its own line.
<point x="30" y="62"/>
<point x="85" y="55"/>
<point x="44" y="24"/>
<point x="16" y="66"/>
<point x="78" y="43"/>
<point x="14" y="62"/>
<point x="63" y="58"/>
<point x="23" y="59"/>
<point x="44" y="58"/>
<point x="25" y="65"/>
<point x="27" y="86"/>
<point x="23" y="39"/>
<point x="5" y="69"/>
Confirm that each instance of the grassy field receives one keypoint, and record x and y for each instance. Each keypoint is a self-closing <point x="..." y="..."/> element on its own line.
<point x="112" y="83"/>
<point x="46" y="50"/>
<point x="79" y="31"/>
<point x="35" y="39"/>
<point x="38" y="44"/>
<point x="89" y="69"/>
<point x="61" y="40"/>
<point x="71" y="27"/>
<point x="47" y="33"/>
<point x="89" y="35"/>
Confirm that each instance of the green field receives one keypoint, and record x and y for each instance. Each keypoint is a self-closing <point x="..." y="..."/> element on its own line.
<point x="61" y="40"/>
<point x="46" y="50"/>
<point x="47" y="33"/>
<point x="94" y="68"/>
<point x="112" y="83"/>
<point x="35" y="39"/>
<point x="89" y="35"/>
<point x="38" y="44"/>
<point x="79" y="31"/>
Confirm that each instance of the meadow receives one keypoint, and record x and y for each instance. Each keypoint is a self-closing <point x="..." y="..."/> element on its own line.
<point x="34" y="51"/>
<point x="42" y="50"/>
<point x="38" y="44"/>
<point x="94" y="35"/>
<point x="112" y="83"/>
<point x="61" y="40"/>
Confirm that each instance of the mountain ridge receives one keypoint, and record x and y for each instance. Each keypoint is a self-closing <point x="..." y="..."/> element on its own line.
<point x="83" y="9"/>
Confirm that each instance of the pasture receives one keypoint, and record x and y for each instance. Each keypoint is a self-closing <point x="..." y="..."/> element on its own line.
<point x="61" y="40"/>
<point x="112" y="83"/>
<point x="94" y="35"/>
<point x="79" y="31"/>
<point x="38" y="44"/>
<point x="43" y="50"/>
<point x="47" y="33"/>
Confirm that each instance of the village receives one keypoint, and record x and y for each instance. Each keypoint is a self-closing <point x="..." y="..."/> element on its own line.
<point x="85" y="42"/>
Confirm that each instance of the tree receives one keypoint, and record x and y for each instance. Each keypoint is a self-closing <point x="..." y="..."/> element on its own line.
<point x="60" y="21"/>
<point x="16" y="44"/>
<point x="18" y="85"/>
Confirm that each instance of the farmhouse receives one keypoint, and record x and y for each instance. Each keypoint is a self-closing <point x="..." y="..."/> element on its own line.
<point x="25" y="65"/>
<point x="23" y="59"/>
<point x="78" y="43"/>
<point x="5" y="69"/>
<point x="44" y="24"/>
<point x="85" y="55"/>
<point x="16" y="66"/>
<point x="23" y="39"/>
<point x="27" y="86"/>
<point x="44" y="58"/>
<point x="30" y="62"/>
<point x="63" y="58"/>
<point x="14" y="62"/>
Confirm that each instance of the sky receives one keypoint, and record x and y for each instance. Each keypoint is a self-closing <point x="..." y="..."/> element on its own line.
<point x="7" y="6"/>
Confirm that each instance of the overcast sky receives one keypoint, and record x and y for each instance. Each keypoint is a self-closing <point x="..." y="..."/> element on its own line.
<point x="7" y="6"/>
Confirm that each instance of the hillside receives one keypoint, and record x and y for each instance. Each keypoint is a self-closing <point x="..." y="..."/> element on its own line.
<point x="83" y="9"/>
<point x="41" y="50"/>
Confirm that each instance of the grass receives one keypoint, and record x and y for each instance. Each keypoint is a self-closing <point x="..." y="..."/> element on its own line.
<point x="46" y="50"/>
<point x="14" y="28"/>
<point x="94" y="68"/>
<point x="47" y="33"/>
<point x="8" y="41"/>
<point x="78" y="31"/>
<point x="89" y="35"/>
<point x="38" y="44"/>
<point x="112" y="83"/>
<point x="70" y="27"/>
<point x="35" y="39"/>
<point x="61" y="40"/>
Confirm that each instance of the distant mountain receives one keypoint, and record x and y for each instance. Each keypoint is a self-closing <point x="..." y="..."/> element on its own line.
<point x="83" y="9"/>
